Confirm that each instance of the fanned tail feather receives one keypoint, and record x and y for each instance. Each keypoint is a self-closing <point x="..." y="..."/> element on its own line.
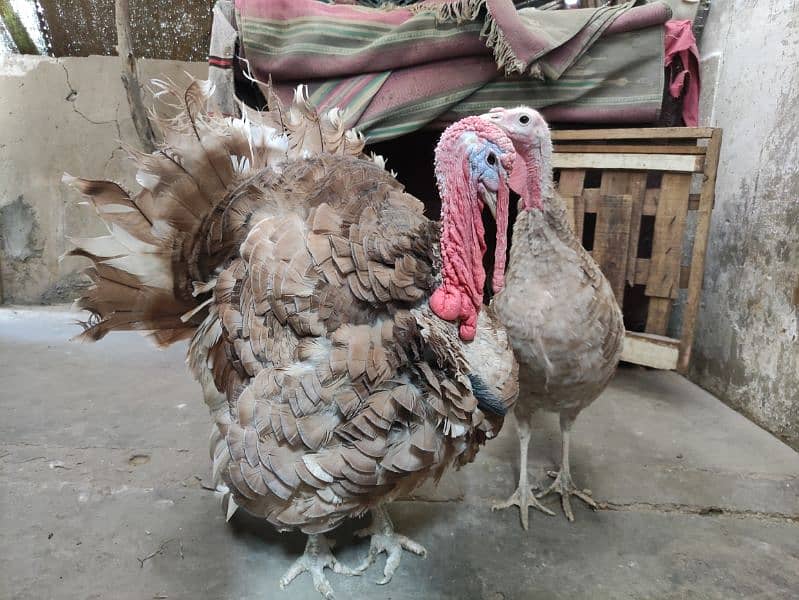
<point x="152" y="272"/>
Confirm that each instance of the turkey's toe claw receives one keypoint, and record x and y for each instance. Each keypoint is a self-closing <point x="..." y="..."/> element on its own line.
<point x="564" y="486"/>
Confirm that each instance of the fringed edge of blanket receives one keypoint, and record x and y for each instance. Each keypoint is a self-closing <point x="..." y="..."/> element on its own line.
<point x="460" y="11"/>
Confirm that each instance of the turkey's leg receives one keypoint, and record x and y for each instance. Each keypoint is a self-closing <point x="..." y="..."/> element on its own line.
<point x="523" y="497"/>
<point x="385" y="539"/>
<point x="316" y="557"/>
<point x="563" y="483"/>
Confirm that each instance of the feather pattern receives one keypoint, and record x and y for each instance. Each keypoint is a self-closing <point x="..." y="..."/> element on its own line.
<point x="301" y="270"/>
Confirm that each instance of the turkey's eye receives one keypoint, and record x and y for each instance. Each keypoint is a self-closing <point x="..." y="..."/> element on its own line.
<point x="492" y="159"/>
<point x="524" y="119"/>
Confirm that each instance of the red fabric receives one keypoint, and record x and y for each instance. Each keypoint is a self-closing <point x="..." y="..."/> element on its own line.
<point x="680" y="42"/>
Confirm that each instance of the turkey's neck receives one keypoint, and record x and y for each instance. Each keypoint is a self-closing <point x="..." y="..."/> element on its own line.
<point x="538" y="171"/>
<point x="536" y="227"/>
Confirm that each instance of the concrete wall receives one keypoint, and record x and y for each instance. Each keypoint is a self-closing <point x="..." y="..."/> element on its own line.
<point x="746" y="349"/>
<point x="165" y="30"/>
<point x="59" y="115"/>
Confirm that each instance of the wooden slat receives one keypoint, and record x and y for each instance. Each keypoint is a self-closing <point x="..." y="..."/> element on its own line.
<point x="706" y="199"/>
<point x="664" y="268"/>
<point x="571" y="185"/>
<point x="637" y="190"/>
<point x="668" y="236"/>
<point x="642" y="273"/>
<point x="570" y="210"/>
<point x="651" y="202"/>
<point x="610" y="240"/>
<point x="657" y="316"/>
<point x="650" y="206"/>
<point x="678" y="163"/>
<point x="591" y="199"/>
<point x="654" y="351"/>
<point x="636" y="133"/>
<point x="629" y="149"/>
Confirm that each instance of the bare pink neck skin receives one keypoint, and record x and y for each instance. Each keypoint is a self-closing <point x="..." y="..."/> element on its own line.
<point x="534" y="180"/>
<point x="460" y="295"/>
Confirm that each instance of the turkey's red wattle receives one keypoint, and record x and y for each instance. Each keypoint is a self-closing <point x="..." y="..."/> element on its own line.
<point x="462" y="247"/>
<point x="501" y="250"/>
<point x="460" y="295"/>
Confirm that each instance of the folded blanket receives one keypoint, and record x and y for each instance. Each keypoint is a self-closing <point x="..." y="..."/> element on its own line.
<point x="398" y="69"/>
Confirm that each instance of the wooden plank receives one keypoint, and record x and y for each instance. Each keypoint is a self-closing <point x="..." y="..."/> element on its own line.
<point x="664" y="269"/>
<point x="642" y="273"/>
<point x="706" y="200"/>
<point x="614" y="183"/>
<point x="637" y="191"/>
<point x="654" y="351"/>
<point x="668" y="236"/>
<point x="633" y="162"/>
<point x="650" y="206"/>
<point x="630" y="149"/>
<point x="636" y="133"/>
<point x="571" y="184"/>
<point x="651" y="202"/>
<point x="570" y="211"/>
<point x="591" y="199"/>
<point x="610" y="240"/>
<point x="657" y="315"/>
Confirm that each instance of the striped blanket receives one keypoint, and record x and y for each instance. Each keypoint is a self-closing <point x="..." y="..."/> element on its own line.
<point x="396" y="70"/>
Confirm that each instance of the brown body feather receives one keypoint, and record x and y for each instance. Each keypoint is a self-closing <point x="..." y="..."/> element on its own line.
<point x="301" y="271"/>
<point x="561" y="314"/>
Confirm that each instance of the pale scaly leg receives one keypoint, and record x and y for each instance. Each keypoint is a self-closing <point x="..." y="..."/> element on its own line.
<point x="523" y="497"/>
<point x="315" y="559"/>
<point x="385" y="539"/>
<point x="563" y="483"/>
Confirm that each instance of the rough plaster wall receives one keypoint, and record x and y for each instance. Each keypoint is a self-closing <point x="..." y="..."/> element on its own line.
<point x="59" y="115"/>
<point x="746" y="348"/>
<point x="166" y="30"/>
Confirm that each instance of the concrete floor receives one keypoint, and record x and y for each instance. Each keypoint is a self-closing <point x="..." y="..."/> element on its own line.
<point x="104" y="452"/>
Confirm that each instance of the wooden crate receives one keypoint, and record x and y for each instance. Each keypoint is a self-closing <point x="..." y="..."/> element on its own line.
<point x="620" y="182"/>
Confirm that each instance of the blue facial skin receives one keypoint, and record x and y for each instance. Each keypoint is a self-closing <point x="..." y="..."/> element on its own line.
<point x="481" y="157"/>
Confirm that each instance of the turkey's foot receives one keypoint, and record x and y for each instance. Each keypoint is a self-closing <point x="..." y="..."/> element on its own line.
<point x="315" y="559"/>
<point x="385" y="539"/>
<point x="564" y="486"/>
<point x="525" y="499"/>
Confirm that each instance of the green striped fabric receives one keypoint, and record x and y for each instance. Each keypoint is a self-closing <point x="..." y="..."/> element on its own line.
<point x="394" y="71"/>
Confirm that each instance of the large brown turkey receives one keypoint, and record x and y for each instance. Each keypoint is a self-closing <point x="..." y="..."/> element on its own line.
<point x="310" y="286"/>
<point x="560" y="312"/>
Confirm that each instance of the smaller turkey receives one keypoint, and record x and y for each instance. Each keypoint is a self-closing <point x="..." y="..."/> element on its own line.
<point x="559" y="309"/>
<point x="338" y="334"/>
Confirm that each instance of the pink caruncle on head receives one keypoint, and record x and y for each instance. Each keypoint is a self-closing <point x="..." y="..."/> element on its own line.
<point x="529" y="132"/>
<point x="472" y="162"/>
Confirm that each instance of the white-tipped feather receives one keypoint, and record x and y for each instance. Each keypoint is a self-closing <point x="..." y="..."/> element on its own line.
<point x="116" y="209"/>
<point x="133" y="244"/>
<point x="231" y="508"/>
<point x="152" y="271"/>
<point x="147" y="180"/>
<point x="316" y="470"/>
<point x="104" y="246"/>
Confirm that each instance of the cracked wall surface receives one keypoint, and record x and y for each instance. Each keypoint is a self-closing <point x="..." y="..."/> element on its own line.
<point x="59" y="115"/>
<point x="747" y="347"/>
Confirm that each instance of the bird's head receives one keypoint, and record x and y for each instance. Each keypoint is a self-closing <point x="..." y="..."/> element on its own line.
<point x="477" y="154"/>
<point x="473" y="160"/>
<point x="529" y="133"/>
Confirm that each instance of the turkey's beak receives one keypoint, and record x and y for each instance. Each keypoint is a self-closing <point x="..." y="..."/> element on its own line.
<point x="489" y="199"/>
